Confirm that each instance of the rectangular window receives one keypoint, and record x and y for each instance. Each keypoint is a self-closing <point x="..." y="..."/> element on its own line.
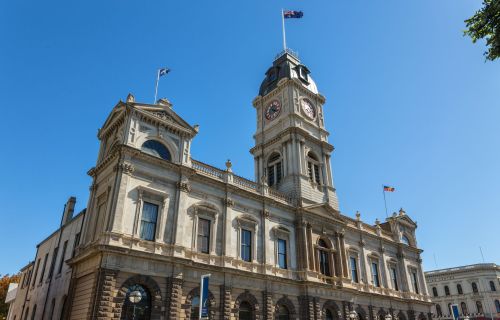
<point x="203" y="235"/>
<point x="43" y="267"/>
<point x="354" y="270"/>
<point x="36" y="272"/>
<point x="282" y="254"/>
<point x="53" y="263"/>
<point x="415" y="281"/>
<point x="148" y="221"/>
<point x="375" y="277"/>
<point x="246" y="245"/>
<point x="75" y="244"/>
<point x="63" y="254"/>
<point x="394" y="279"/>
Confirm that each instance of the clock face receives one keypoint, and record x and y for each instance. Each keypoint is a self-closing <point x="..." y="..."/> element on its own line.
<point x="273" y="110"/>
<point x="309" y="109"/>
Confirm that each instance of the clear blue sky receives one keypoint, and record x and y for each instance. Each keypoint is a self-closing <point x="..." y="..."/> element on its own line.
<point x="410" y="103"/>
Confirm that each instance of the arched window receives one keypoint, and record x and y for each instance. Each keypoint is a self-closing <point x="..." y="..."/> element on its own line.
<point x="479" y="307"/>
<point x="474" y="288"/>
<point x="459" y="289"/>
<point x="274" y="172"/>
<point x="446" y="290"/>
<point x="497" y="305"/>
<point x="434" y="291"/>
<point x="463" y="306"/>
<point x="283" y="313"/>
<point x="195" y="308"/>
<point x="313" y="167"/>
<point x="328" y="314"/>
<point x="137" y="304"/>
<point x="324" y="259"/>
<point x="449" y="308"/>
<point x="156" y="149"/>
<point x="492" y="286"/>
<point x="245" y="312"/>
<point x="439" y="312"/>
<point x="405" y="240"/>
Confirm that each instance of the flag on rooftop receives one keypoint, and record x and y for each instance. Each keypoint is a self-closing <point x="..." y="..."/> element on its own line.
<point x="163" y="71"/>
<point x="389" y="189"/>
<point x="288" y="14"/>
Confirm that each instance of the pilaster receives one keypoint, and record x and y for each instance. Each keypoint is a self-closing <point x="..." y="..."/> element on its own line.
<point x="174" y="297"/>
<point x="104" y="300"/>
<point x="225" y="302"/>
<point x="267" y="305"/>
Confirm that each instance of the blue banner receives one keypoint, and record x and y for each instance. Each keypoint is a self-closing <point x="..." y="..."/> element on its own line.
<point x="454" y="311"/>
<point x="204" y="297"/>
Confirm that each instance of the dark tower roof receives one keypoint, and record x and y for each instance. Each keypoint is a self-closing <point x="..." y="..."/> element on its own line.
<point x="287" y="65"/>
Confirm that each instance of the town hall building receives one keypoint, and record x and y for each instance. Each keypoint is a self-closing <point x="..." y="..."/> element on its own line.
<point x="277" y="247"/>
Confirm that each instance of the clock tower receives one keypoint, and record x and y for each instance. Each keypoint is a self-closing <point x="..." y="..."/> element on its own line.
<point x="291" y="151"/>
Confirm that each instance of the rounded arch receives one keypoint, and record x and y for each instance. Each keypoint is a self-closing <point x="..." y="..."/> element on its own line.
<point x="249" y="298"/>
<point x="156" y="148"/>
<point x="149" y="284"/>
<point x="422" y="316"/>
<point x="273" y="156"/>
<point x="401" y="315"/>
<point x="332" y="307"/>
<point x="284" y="301"/>
<point x="195" y="292"/>
<point x="381" y="313"/>
<point x="312" y="155"/>
<point x="361" y="312"/>
<point x="324" y="242"/>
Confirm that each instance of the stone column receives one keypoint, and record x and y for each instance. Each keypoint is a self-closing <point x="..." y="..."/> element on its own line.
<point x="317" y="309"/>
<point x="306" y="307"/>
<point x="310" y="247"/>
<point x="340" y="256"/>
<point x="371" y="314"/>
<point x="267" y="305"/>
<point x="104" y="307"/>
<point x="225" y="302"/>
<point x="174" y="296"/>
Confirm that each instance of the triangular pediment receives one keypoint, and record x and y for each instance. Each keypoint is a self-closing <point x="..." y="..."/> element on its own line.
<point x="324" y="210"/>
<point x="165" y="114"/>
<point x="114" y="116"/>
<point x="407" y="220"/>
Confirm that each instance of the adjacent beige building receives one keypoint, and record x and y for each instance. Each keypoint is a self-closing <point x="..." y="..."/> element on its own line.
<point x="474" y="288"/>
<point x="277" y="247"/>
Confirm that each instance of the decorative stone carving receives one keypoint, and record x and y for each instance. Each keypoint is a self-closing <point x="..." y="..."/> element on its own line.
<point x="184" y="186"/>
<point x="228" y="202"/>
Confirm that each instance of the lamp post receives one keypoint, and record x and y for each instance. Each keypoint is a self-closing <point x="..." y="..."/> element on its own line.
<point x="134" y="297"/>
<point x="353" y="315"/>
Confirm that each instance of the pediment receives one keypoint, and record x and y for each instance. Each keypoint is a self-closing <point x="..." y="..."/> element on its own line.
<point x="407" y="220"/>
<point x="166" y="115"/>
<point x="113" y="117"/>
<point x="325" y="210"/>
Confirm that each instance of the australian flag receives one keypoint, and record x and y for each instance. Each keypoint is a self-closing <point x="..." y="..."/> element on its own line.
<point x="163" y="71"/>
<point x="288" y="14"/>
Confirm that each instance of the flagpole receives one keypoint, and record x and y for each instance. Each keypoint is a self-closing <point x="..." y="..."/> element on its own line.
<point x="385" y="202"/>
<point x="156" y="86"/>
<point x="283" y="26"/>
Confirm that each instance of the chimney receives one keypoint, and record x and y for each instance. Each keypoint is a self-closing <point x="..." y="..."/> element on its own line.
<point x="69" y="208"/>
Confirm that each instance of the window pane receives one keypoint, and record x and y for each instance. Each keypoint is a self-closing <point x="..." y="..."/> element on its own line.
<point x="354" y="270"/>
<point x="282" y="254"/>
<point x="375" y="279"/>
<point x="394" y="279"/>
<point x="278" y="172"/>
<point x="316" y="173"/>
<point x="203" y="235"/>
<point x="246" y="245"/>
<point x="270" y="175"/>
<point x="309" y="170"/>
<point x="148" y="221"/>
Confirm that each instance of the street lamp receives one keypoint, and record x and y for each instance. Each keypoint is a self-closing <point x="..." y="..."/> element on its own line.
<point x="388" y="316"/>
<point x="135" y="297"/>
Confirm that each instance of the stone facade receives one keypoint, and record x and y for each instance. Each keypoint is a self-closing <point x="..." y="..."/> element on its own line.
<point x="474" y="288"/>
<point x="276" y="247"/>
